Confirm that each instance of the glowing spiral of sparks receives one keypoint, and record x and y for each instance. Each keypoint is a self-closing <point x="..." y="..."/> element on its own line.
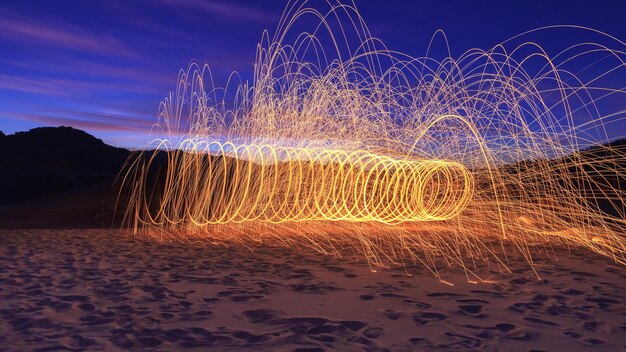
<point x="280" y="184"/>
<point x="391" y="156"/>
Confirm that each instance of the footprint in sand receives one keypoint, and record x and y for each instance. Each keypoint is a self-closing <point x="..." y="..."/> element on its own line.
<point x="514" y="332"/>
<point x="256" y="316"/>
<point x="426" y="318"/>
<point x="472" y="310"/>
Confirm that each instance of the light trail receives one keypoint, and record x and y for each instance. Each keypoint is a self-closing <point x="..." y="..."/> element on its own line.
<point x="390" y="156"/>
<point x="280" y="184"/>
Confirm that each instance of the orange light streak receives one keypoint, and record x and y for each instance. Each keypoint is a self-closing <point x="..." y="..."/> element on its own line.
<point x="388" y="155"/>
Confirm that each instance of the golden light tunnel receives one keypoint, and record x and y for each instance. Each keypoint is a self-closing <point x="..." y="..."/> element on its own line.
<point x="221" y="183"/>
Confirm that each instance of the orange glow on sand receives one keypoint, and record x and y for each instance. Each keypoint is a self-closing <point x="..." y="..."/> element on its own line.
<point x="455" y="159"/>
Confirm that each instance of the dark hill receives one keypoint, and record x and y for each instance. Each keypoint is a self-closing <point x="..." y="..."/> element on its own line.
<point x="56" y="176"/>
<point x="63" y="148"/>
<point x="47" y="160"/>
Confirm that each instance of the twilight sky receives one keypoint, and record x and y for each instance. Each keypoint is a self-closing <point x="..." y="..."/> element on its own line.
<point x="104" y="66"/>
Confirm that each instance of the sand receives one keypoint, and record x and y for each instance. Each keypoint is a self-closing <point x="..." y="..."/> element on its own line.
<point x="106" y="290"/>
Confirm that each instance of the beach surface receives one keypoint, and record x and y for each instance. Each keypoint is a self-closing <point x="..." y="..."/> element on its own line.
<point x="108" y="290"/>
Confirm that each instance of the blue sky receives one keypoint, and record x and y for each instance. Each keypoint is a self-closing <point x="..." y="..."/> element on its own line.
<point x="104" y="66"/>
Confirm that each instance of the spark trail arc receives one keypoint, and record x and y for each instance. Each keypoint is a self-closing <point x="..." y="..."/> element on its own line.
<point x="339" y="144"/>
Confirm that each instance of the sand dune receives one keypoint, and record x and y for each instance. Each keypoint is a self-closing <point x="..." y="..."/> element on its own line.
<point x="102" y="289"/>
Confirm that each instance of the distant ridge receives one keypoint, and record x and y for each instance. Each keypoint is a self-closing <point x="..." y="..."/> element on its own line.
<point x="47" y="160"/>
<point x="57" y="177"/>
<point x="62" y="148"/>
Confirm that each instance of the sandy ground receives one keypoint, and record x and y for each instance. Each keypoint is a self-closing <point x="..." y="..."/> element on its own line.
<point x="101" y="289"/>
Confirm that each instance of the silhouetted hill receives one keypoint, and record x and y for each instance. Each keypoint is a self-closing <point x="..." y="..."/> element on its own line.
<point x="60" y="148"/>
<point x="51" y="162"/>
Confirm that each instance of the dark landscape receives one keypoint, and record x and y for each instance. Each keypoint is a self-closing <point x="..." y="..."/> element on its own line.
<point x="312" y="175"/>
<point x="57" y="178"/>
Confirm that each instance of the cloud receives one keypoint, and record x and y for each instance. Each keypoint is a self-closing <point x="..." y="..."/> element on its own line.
<point x="226" y="10"/>
<point x="69" y="87"/>
<point x="24" y="30"/>
<point x="123" y="129"/>
<point x="152" y="79"/>
<point x="96" y="122"/>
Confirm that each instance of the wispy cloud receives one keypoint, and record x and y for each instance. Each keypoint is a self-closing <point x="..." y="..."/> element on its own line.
<point x="69" y="87"/>
<point x="92" y="121"/>
<point x="152" y="79"/>
<point x="226" y="10"/>
<point x="23" y="30"/>
<point x="129" y="131"/>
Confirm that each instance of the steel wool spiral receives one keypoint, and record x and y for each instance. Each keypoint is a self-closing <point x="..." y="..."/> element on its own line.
<point x="227" y="183"/>
<point x="365" y="150"/>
